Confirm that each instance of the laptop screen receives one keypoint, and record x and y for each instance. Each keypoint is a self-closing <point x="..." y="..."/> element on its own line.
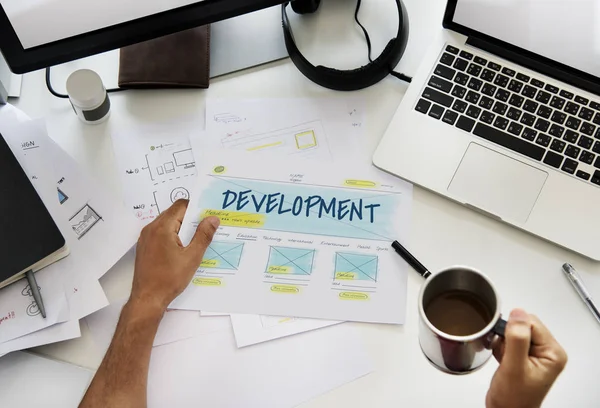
<point x="566" y="31"/>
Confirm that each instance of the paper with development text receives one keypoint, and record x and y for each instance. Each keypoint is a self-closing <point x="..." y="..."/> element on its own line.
<point x="298" y="239"/>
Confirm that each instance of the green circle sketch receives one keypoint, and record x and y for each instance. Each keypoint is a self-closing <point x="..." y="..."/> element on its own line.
<point x="219" y="169"/>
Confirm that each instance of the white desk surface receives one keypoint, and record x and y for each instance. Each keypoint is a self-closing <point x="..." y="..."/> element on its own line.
<point x="525" y="269"/>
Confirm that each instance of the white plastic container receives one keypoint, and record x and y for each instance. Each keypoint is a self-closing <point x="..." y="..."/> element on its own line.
<point x="88" y="96"/>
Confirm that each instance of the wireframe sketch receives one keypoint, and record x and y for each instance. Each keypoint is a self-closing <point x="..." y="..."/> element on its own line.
<point x="305" y="138"/>
<point x="62" y="197"/>
<point x="223" y="255"/>
<point x="184" y="158"/>
<point x="355" y="267"/>
<point x="179" y="193"/>
<point x="290" y="261"/>
<point x="168" y="162"/>
<point x="83" y="220"/>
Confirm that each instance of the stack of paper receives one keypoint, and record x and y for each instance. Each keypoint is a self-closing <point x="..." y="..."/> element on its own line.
<point x="31" y="381"/>
<point x="303" y="245"/>
<point x="88" y="217"/>
<point x="158" y="165"/>
<point x="318" y="130"/>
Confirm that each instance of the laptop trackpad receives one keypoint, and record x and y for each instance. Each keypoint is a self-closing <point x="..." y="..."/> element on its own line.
<point x="497" y="183"/>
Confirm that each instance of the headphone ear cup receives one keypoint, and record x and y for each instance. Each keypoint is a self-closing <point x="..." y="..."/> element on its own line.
<point x="305" y="6"/>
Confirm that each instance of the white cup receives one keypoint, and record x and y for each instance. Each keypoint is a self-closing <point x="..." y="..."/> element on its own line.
<point x="88" y="96"/>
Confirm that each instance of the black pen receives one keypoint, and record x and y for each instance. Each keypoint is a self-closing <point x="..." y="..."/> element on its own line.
<point x="410" y="259"/>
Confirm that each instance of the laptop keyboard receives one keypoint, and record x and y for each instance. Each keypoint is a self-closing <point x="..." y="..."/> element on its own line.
<point x="516" y="111"/>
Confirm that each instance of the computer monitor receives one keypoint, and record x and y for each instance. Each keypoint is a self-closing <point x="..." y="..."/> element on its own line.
<point x="36" y="34"/>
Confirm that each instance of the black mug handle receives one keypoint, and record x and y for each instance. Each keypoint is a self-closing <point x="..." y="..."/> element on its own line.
<point x="500" y="327"/>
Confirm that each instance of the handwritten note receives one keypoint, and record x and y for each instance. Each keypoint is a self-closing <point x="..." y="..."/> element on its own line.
<point x="156" y="165"/>
<point x="23" y="315"/>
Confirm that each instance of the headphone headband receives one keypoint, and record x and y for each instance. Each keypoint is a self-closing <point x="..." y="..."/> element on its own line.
<point x="359" y="78"/>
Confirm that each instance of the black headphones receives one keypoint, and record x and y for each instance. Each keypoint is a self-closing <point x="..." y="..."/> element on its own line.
<point x="355" y="79"/>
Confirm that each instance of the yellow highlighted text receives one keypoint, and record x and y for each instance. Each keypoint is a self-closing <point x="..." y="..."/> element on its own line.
<point x="345" y="275"/>
<point x="209" y="263"/>
<point x="360" y="183"/>
<point x="285" y="289"/>
<point x="354" y="296"/>
<point x="265" y="146"/>
<point x="279" y="269"/>
<point x="236" y="218"/>
<point x="207" y="281"/>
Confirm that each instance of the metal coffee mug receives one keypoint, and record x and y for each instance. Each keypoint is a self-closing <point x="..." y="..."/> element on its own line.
<point x="459" y="354"/>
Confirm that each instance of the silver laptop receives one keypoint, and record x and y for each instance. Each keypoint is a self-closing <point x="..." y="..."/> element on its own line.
<point x="504" y="117"/>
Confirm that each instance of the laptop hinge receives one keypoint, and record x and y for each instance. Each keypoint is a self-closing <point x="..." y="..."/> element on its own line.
<point x="539" y="64"/>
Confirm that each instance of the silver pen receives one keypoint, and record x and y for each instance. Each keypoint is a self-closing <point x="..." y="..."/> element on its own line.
<point x="581" y="289"/>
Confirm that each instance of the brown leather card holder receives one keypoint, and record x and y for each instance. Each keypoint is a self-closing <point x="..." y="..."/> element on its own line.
<point x="180" y="60"/>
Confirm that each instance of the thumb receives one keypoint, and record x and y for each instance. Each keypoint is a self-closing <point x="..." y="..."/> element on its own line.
<point x="204" y="234"/>
<point x="517" y="340"/>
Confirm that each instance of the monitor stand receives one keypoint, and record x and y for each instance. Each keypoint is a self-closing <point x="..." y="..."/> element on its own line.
<point x="5" y="80"/>
<point x="246" y="41"/>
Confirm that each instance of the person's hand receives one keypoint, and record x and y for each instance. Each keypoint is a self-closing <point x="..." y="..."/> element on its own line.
<point x="530" y="361"/>
<point x="163" y="266"/>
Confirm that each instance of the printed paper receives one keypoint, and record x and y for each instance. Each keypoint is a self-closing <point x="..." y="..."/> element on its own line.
<point x="299" y="240"/>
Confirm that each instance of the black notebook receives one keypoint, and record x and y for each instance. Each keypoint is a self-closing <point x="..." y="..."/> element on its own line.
<point x="29" y="238"/>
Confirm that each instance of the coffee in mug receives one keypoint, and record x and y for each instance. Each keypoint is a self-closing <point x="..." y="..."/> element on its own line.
<point x="459" y="314"/>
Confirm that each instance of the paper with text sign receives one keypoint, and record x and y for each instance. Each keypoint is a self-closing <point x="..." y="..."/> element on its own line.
<point x="299" y="239"/>
<point x="254" y="329"/>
